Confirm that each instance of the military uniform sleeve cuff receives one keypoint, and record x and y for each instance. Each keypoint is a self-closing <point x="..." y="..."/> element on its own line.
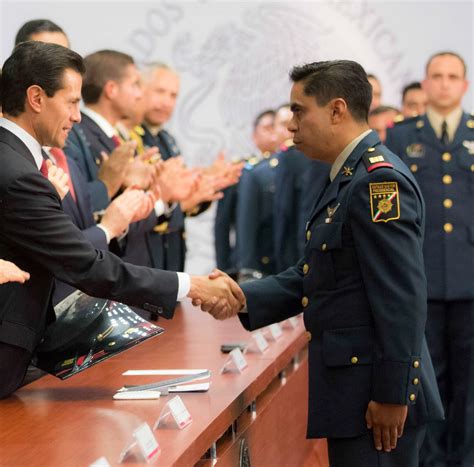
<point x="396" y="382"/>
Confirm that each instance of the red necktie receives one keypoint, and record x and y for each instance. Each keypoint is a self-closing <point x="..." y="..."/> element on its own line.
<point x="116" y="140"/>
<point x="44" y="169"/>
<point x="61" y="162"/>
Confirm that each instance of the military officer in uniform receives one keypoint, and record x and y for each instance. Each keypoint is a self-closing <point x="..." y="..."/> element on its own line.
<point x="265" y="141"/>
<point x="298" y="180"/>
<point x="361" y="282"/>
<point x="439" y="150"/>
<point x="161" y="88"/>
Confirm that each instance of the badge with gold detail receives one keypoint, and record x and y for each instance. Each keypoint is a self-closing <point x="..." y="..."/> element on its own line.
<point x="384" y="201"/>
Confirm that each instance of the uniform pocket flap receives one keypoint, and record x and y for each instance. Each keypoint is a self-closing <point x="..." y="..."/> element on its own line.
<point x="348" y="346"/>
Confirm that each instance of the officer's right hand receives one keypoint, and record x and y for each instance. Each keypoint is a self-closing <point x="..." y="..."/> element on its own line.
<point x="10" y="272"/>
<point x="386" y="422"/>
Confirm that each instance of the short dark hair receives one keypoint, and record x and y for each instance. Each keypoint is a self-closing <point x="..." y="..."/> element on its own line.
<point x="410" y="87"/>
<point x="337" y="78"/>
<point x="103" y="66"/>
<point x="36" y="26"/>
<point x="34" y="63"/>
<point x="262" y="115"/>
<point x="382" y="109"/>
<point x="446" y="52"/>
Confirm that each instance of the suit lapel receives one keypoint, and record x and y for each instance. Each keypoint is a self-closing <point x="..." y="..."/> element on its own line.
<point x="17" y="145"/>
<point x="461" y="134"/>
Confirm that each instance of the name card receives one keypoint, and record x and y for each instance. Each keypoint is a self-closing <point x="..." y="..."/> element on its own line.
<point x="275" y="330"/>
<point x="176" y="410"/>
<point x="145" y="440"/>
<point x="293" y="321"/>
<point x="235" y="362"/>
<point x="101" y="462"/>
<point x="260" y="341"/>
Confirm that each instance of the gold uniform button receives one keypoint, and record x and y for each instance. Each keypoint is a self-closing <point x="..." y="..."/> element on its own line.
<point x="447" y="203"/>
<point x="265" y="260"/>
<point x="446" y="157"/>
<point x="305" y="269"/>
<point x="416" y="381"/>
<point x="304" y="301"/>
<point x="371" y="150"/>
<point x="447" y="179"/>
<point x="413" y="167"/>
<point x="308" y="336"/>
<point x="472" y="168"/>
<point x="412" y="397"/>
<point x="416" y="364"/>
<point x="354" y="360"/>
<point x="308" y="235"/>
<point x="324" y="246"/>
<point x="448" y="227"/>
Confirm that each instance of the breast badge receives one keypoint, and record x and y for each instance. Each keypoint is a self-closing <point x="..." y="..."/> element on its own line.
<point x="415" y="150"/>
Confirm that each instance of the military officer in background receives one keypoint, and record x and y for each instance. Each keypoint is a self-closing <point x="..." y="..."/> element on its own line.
<point x="255" y="207"/>
<point x="413" y="100"/>
<point x="298" y="181"/>
<point x="361" y="282"/>
<point x="439" y="149"/>
<point x="265" y="142"/>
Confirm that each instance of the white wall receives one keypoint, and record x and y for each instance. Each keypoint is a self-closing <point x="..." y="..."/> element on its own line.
<point x="234" y="57"/>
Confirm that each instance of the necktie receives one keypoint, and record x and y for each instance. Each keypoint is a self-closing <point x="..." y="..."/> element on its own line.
<point x="444" y="133"/>
<point x="61" y="162"/>
<point x="116" y="140"/>
<point x="44" y="169"/>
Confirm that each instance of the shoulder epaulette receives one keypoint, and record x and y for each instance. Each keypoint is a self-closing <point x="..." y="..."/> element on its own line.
<point x="404" y="121"/>
<point x="374" y="159"/>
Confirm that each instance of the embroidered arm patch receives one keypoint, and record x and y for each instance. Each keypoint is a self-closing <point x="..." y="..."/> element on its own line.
<point x="384" y="201"/>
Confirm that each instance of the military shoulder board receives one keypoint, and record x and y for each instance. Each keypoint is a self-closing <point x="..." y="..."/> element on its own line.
<point x="374" y="160"/>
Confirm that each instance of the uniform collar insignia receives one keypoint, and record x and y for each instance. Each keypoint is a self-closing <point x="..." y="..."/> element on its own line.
<point x="347" y="171"/>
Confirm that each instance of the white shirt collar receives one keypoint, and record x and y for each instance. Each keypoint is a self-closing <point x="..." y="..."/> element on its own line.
<point x="31" y="143"/>
<point x="452" y="120"/>
<point x="103" y="124"/>
<point x="346" y="152"/>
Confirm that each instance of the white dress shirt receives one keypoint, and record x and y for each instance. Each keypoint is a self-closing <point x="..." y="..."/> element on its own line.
<point x="453" y="119"/>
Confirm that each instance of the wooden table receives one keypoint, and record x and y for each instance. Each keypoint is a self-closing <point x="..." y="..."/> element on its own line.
<point x="74" y="422"/>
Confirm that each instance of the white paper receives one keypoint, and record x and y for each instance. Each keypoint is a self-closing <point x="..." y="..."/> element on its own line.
<point x="190" y="388"/>
<point x="238" y="358"/>
<point x="137" y="395"/>
<point x="293" y="322"/>
<point x="171" y="372"/>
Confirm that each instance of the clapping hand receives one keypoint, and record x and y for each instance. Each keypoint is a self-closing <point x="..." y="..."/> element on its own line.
<point x="58" y="178"/>
<point x="217" y="294"/>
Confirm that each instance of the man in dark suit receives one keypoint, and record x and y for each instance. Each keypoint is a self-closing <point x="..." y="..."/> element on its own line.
<point x="438" y="147"/>
<point x="361" y="282"/>
<point x="40" y="95"/>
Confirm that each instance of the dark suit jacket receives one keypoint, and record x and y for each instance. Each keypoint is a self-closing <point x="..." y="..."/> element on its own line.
<point x="362" y="288"/>
<point x="135" y="247"/>
<point x="448" y="254"/>
<point x="40" y="238"/>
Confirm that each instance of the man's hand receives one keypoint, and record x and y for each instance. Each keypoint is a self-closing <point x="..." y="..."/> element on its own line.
<point x="226" y="173"/>
<point x="10" y="272"/>
<point x="386" y="422"/>
<point x="206" y="190"/>
<point x="217" y="294"/>
<point x="176" y="182"/>
<point x="58" y="178"/>
<point x="145" y="207"/>
<point x="120" y="212"/>
<point x="113" y="168"/>
<point x="141" y="171"/>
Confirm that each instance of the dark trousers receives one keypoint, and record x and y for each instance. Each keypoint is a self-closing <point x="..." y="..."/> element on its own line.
<point x="360" y="451"/>
<point x="450" y="336"/>
<point x="13" y="365"/>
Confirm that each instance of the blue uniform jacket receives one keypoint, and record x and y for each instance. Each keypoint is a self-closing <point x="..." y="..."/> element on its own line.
<point x="446" y="178"/>
<point x="362" y="288"/>
<point x="255" y="217"/>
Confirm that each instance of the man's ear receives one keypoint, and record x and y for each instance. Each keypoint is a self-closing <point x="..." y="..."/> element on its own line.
<point x="110" y="89"/>
<point x="35" y="97"/>
<point x="338" y="109"/>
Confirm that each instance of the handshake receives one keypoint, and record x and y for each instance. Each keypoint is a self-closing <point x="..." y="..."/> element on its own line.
<point x="217" y="294"/>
